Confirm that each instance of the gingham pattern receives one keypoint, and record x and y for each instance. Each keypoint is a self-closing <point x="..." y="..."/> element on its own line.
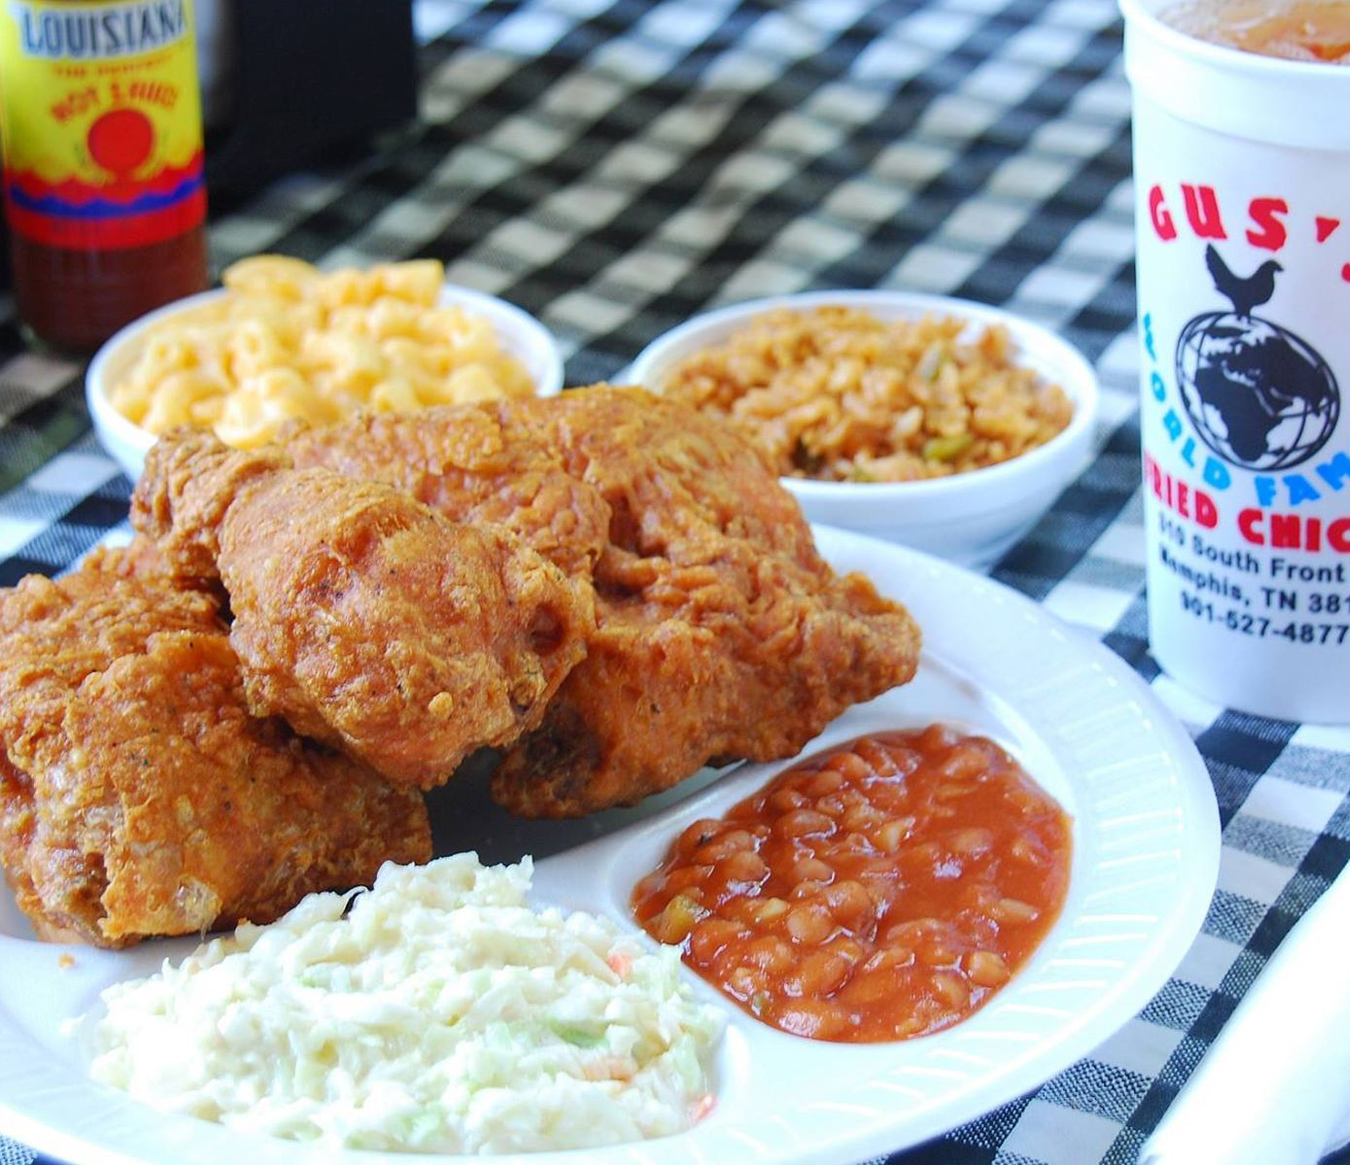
<point x="614" y="167"/>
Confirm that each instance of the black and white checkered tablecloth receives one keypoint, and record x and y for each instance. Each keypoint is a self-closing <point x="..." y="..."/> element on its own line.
<point x="615" y="165"/>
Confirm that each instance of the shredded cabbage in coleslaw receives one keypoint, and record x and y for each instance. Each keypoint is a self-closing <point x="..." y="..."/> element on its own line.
<point x="436" y="1012"/>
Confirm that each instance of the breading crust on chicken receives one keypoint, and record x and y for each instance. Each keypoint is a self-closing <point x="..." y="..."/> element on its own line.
<point x="138" y="796"/>
<point x="721" y="633"/>
<point x="472" y="464"/>
<point x="366" y="619"/>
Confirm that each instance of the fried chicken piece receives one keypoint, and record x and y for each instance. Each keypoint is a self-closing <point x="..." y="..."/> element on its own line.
<point x="52" y="636"/>
<point x="465" y="461"/>
<point x="721" y="632"/>
<point x="179" y="503"/>
<point x="140" y="558"/>
<point x="138" y="796"/>
<point x="366" y="619"/>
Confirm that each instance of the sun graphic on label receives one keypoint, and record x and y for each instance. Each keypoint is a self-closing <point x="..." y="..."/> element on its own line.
<point x="120" y="140"/>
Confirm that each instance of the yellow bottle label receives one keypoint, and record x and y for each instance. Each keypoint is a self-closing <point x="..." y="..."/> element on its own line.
<point x="101" y="119"/>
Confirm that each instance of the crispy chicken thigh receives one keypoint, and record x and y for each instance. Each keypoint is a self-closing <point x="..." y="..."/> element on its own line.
<point x="721" y="633"/>
<point x="366" y="619"/>
<point x="138" y="796"/>
<point x="470" y="463"/>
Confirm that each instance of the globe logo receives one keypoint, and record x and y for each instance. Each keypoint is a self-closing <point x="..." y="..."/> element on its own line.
<point x="1258" y="395"/>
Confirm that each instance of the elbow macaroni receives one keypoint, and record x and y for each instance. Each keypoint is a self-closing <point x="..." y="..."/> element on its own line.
<point x="287" y="341"/>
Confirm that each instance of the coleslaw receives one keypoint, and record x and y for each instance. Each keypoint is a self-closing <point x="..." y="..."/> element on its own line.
<point x="436" y="1012"/>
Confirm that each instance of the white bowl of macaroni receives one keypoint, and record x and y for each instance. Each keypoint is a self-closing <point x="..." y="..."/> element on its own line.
<point x="282" y="340"/>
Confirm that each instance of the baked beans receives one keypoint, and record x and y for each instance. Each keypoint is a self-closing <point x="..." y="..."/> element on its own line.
<point x="879" y="891"/>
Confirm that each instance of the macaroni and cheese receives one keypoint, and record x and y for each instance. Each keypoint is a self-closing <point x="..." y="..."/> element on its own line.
<point x="288" y="341"/>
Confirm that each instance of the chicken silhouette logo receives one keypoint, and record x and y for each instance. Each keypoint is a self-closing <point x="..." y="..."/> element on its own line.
<point x="1258" y="395"/>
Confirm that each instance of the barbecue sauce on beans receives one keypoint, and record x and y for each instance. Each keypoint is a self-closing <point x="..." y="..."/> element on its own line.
<point x="879" y="891"/>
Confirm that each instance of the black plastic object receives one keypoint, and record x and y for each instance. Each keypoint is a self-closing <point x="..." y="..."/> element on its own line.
<point x="309" y="79"/>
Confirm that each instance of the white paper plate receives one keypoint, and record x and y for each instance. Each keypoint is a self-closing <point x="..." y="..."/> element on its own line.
<point x="1146" y="849"/>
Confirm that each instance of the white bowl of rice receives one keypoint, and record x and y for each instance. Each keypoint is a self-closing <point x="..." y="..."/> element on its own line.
<point x="283" y="341"/>
<point x="938" y="423"/>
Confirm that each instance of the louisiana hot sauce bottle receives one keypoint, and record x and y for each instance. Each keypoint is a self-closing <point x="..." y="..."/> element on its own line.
<point x="102" y="129"/>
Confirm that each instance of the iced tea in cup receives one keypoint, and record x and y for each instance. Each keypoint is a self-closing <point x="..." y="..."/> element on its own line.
<point x="1242" y="180"/>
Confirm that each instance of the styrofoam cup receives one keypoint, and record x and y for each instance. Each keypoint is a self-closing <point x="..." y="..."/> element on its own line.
<point x="1242" y="186"/>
